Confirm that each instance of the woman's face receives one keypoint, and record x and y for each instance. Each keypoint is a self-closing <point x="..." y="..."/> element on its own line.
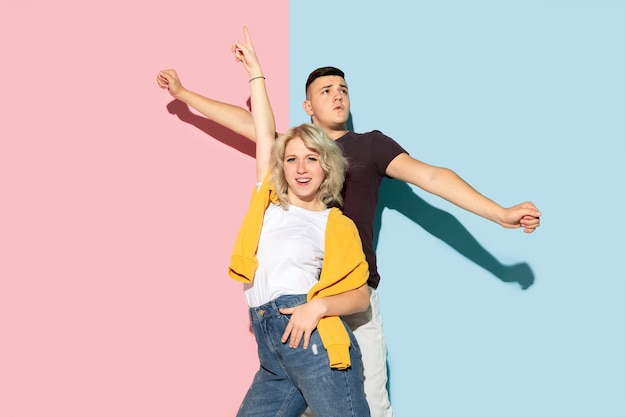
<point x="304" y="175"/>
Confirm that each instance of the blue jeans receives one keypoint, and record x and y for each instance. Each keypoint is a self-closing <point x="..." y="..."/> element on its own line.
<point x="290" y="379"/>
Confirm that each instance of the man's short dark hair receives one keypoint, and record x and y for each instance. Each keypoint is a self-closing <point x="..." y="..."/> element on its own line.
<point x="322" y="72"/>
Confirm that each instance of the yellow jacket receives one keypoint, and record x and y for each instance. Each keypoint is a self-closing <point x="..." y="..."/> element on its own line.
<point x="344" y="267"/>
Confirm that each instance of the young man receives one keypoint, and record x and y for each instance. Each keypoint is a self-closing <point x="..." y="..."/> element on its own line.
<point x="372" y="156"/>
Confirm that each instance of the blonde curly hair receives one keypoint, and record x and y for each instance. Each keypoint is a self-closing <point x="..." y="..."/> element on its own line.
<point x="331" y="160"/>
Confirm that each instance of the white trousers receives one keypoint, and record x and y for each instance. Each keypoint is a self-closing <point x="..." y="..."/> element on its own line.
<point x="368" y="330"/>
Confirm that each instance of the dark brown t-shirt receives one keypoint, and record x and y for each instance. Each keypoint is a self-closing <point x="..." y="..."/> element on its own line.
<point x="368" y="156"/>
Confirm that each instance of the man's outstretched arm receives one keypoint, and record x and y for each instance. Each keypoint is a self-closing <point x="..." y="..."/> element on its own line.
<point x="446" y="184"/>
<point x="232" y="117"/>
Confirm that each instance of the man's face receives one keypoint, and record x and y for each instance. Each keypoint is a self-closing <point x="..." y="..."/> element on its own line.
<point x="328" y="102"/>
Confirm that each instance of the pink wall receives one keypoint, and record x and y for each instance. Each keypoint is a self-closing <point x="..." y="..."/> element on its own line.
<point x="117" y="218"/>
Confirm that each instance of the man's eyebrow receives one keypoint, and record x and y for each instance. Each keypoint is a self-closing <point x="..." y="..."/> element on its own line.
<point x="330" y="85"/>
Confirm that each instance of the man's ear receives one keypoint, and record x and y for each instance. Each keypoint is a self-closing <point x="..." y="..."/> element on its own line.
<point x="307" y="107"/>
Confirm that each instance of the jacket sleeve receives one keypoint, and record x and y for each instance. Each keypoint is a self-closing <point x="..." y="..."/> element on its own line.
<point x="344" y="269"/>
<point x="243" y="261"/>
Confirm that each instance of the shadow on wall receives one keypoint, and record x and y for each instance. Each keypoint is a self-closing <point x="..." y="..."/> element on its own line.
<point x="399" y="196"/>
<point x="215" y="130"/>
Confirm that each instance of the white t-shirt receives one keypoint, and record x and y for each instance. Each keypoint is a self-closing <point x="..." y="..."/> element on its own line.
<point x="290" y="253"/>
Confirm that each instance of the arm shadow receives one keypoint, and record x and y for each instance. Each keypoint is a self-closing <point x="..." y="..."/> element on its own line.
<point x="215" y="130"/>
<point x="398" y="195"/>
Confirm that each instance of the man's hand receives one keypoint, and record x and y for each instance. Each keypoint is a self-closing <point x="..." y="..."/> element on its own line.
<point x="524" y="215"/>
<point x="169" y="80"/>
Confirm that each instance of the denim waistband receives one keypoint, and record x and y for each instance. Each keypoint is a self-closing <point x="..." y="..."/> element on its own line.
<point x="271" y="308"/>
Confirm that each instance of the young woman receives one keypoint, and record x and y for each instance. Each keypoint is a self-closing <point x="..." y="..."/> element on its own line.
<point x="303" y="266"/>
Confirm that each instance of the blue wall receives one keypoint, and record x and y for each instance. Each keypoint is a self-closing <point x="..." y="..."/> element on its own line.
<point x="526" y="101"/>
